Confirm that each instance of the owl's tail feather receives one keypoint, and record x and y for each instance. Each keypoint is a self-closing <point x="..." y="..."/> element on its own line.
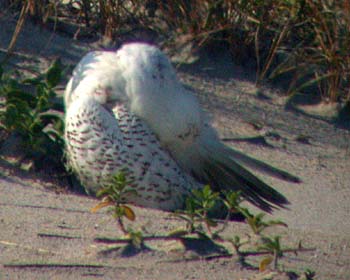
<point x="261" y="166"/>
<point x="222" y="167"/>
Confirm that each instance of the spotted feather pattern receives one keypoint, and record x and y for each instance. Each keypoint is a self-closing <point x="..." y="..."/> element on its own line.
<point x="101" y="142"/>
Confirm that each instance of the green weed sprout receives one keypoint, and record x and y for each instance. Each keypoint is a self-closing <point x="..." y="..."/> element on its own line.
<point x="273" y="246"/>
<point x="197" y="207"/>
<point x="237" y="243"/>
<point x="112" y="195"/>
<point x="309" y="274"/>
<point x="257" y="222"/>
<point x="29" y="110"/>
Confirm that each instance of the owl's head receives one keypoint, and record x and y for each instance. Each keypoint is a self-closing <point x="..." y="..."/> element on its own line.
<point x="97" y="75"/>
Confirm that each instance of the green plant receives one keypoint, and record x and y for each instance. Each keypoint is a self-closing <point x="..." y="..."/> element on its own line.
<point x="32" y="110"/>
<point x="198" y="205"/>
<point x="309" y="274"/>
<point x="237" y="243"/>
<point x="232" y="201"/>
<point x="257" y="222"/>
<point x="136" y="238"/>
<point x="113" y="195"/>
<point x="272" y="245"/>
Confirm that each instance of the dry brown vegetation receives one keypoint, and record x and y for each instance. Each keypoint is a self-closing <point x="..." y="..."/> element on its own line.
<point x="306" y="41"/>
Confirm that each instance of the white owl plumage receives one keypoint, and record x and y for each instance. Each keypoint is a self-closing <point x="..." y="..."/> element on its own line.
<point x="128" y="110"/>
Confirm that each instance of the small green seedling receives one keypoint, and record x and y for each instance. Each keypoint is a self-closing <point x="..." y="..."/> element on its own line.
<point x="237" y="243"/>
<point x="232" y="201"/>
<point x="257" y="222"/>
<point x="309" y="274"/>
<point x="273" y="246"/>
<point x="112" y="195"/>
<point x="136" y="238"/>
<point x="197" y="207"/>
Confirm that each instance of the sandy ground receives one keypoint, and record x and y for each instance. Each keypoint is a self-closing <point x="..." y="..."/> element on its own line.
<point x="47" y="233"/>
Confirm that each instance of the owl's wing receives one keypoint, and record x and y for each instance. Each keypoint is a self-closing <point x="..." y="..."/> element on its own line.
<point x="142" y="80"/>
<point x="102" y="141"/>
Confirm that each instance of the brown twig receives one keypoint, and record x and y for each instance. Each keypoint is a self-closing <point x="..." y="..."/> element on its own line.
<point x="19" y="26"/>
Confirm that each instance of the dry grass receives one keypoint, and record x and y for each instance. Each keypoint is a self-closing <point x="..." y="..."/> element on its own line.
<point x="308" y="40"/>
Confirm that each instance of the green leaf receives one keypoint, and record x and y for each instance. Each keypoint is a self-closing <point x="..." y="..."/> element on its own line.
<point x="190" y="205"/>
<point x="10" y="117"/>
<point x="14" y="94"/>
<point x="207" y="191"/>
<point x="54" y="74"/>
<point x="38" y="80"/>
<point x="52" y="116"/>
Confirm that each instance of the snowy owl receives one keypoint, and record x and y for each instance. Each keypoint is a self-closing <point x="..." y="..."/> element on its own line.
<point x="127" y="110"/>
